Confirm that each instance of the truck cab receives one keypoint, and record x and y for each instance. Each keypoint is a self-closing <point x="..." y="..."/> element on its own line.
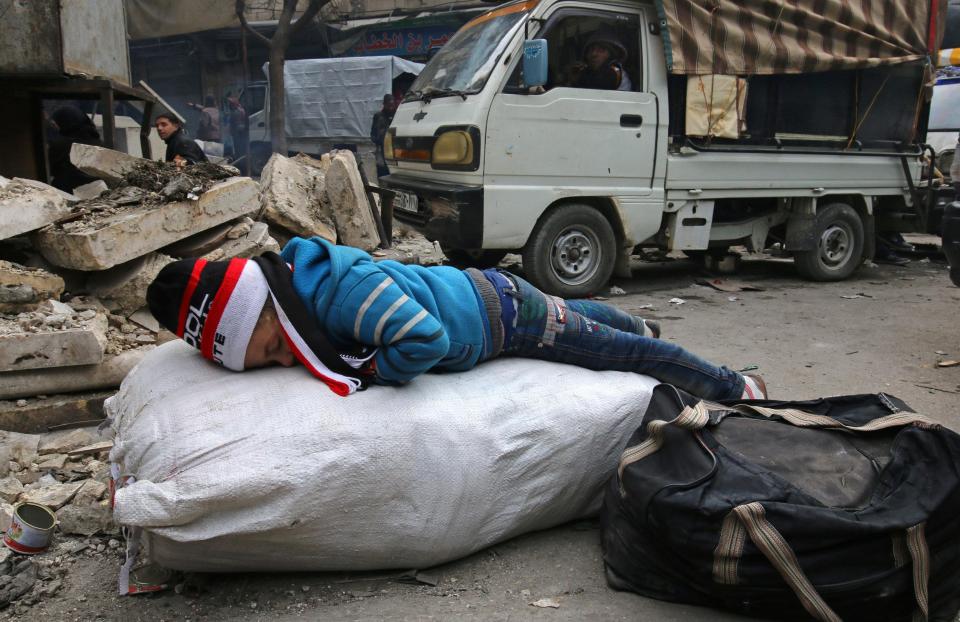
<point x="486" y="157"/>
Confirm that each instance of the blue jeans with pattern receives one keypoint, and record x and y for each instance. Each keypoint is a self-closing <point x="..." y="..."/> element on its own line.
<point x="601" y="337"/>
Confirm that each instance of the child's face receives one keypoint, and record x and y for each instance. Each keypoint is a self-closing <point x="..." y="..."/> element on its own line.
<point x="268" y="346"/>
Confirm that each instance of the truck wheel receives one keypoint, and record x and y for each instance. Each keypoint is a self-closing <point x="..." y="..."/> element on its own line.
<point x="571" y="252"/>
<point x="473" y="258"/>
<point x="839" y="249"/>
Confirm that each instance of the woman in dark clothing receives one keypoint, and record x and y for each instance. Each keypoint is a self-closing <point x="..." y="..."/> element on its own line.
<point x="72" y="126"/>
<point x="180" y="147"/>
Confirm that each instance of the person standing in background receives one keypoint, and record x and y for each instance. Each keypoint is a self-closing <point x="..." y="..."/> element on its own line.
<point x="209" y="127"/>
<point x="378" y="131"/>
<point x="70" y="125"/>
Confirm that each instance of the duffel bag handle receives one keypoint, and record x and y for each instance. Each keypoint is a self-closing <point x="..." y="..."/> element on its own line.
<point x="766" y="537"/>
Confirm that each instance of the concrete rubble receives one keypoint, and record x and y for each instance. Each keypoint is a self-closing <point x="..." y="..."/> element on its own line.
<point x="324" y="197"/>
<point x="71" y="330"/>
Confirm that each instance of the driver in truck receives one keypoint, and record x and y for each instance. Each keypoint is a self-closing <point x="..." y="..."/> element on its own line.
<point x="602" y="66"/>
<point x="352" y="321"/>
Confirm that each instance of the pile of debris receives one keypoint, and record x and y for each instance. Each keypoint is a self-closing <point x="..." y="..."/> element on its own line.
<point x="74" y="270"/>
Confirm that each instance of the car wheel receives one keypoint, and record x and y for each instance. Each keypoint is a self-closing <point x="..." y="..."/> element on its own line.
<point x="571" y="252"/>
<point x="473" y="258"/>
<point x="840" y="239"/>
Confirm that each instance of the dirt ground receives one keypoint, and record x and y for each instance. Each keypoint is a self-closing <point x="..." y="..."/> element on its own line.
<point x="879" y="331"/>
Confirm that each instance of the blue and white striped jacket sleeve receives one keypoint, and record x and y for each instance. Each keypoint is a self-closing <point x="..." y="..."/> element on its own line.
<point x="409" y="339"/>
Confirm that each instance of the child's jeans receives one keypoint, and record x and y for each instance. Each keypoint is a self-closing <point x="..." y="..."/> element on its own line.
<point x="600" y="337"/>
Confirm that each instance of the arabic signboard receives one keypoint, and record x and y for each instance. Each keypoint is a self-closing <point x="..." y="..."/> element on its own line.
<point x="402" y="42"/>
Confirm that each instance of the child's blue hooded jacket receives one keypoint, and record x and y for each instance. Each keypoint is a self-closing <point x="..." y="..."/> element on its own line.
<point x="419" y="318"/>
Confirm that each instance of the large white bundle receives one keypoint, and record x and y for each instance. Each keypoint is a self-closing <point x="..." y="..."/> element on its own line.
<point x="270" y="470"/>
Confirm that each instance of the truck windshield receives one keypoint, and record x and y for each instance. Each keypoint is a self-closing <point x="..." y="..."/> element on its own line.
<point x="463" y="65"/>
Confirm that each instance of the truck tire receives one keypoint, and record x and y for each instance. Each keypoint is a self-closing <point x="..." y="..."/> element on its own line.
<point x="571" y="252"/>
<point x="473" y="258"/>
<point x="839" y="233"/>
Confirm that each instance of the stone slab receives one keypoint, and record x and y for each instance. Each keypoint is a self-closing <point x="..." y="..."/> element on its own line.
<point x="126" y="285"/>
<point x="27" y="205"/>
<point x="39" y="415"/>
<point x="55" y="348"/>
<point x="107" y="164"/>
<point x="142" y="229"/>
<point x="87" y="520"/>
<point x="54" y="496"/>
<point x="62" y="442"/>
<point x="256" y="242"/>
<point x="90" y="191"/>
<point x="347" y="200"/>
<point x="292" y="196"/>
<point x="23" y="288"/>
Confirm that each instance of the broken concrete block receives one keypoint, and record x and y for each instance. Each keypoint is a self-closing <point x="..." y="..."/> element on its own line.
<point x="86" y="520"/>
<point x="17" y="447"/>
<point x="291" y="197"/>
<point x="256" y="242"/>
<point x="107" y="164"/>
<point x="90" y="191"/>
<point x="143" y="317"/>
<point x="52" y="462"/>
<point x="346" y="199"/>
<point x="106" y="375"/>
<point x="126" y="285"/>
<point x="101" y="242"/>
<point x="63" y="442"/>
<point x="240" y="229"/>
<point x="54" y="496"/>
<point x="91" y="492"/>
<point x="23" y="288"/>
<point x="38" y="415"/>
<point x="199" y="243"/>
<point x="10" y="489"/>
<point x="34" y="340"/>
<point x="26" y="205"/>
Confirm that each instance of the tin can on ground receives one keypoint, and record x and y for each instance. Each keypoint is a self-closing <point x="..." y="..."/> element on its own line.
<point x="31" y="528"/>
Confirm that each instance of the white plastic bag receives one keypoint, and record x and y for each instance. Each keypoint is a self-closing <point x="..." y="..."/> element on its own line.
<point x="270" y="470"/>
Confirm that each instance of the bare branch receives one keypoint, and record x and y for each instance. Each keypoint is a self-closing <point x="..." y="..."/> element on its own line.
<point x="312" y="9"/>
<point x="243" y="23"/>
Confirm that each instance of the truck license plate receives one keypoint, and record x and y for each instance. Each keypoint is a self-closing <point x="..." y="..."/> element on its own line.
<point x="405" y="201"/>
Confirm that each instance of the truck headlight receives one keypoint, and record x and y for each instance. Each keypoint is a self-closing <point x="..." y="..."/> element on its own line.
<point x="456" y="148"/>
<point x="388" y="146"/>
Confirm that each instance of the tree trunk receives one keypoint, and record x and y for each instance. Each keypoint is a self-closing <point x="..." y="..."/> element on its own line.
<point x="278" y="130"/>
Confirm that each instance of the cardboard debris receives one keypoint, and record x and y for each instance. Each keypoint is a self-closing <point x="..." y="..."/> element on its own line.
<point x="103" y="240"/>
<point x="27" y="205"/>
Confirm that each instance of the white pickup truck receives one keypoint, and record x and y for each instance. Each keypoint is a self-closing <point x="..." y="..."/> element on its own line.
<point x="498" y="147"/>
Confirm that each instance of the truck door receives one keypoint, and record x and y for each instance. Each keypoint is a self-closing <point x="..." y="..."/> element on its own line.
<point x="585" y="132"/>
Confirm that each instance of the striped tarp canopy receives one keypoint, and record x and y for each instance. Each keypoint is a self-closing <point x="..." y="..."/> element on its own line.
<point x="747" y="37"/>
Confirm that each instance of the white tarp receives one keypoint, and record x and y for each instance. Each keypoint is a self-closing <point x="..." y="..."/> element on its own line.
<point x="337" y="97"/>
<point x="271" y="471"/>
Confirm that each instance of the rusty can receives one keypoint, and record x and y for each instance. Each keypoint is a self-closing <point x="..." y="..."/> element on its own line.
<point x="31" y="528"/>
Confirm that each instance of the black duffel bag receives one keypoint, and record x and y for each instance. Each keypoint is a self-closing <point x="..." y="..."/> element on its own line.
<point x="843" y="508"/>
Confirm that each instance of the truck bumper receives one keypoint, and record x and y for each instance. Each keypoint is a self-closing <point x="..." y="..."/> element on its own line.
<point x="451" y="214"/>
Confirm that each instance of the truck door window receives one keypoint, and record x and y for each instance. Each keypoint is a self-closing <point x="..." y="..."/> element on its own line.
<point x="590" y="50"/>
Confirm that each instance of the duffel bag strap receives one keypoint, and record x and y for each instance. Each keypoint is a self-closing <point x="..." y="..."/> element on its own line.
<point x="690" y="418"/>
<point x="920" y="555"/>
<point x="769" y="541"/>
<point x="803" y="419"/>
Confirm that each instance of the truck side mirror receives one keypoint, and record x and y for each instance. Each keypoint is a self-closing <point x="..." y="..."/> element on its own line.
<point x="535" y="62"/>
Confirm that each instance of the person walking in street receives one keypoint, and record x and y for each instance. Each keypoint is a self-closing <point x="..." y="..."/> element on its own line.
<point x="352" y="321"/>
<point x="239" y="128"/>
<point x="181" y="149"/>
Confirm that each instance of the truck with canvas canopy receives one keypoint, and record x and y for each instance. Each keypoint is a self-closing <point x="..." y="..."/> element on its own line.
<point x="733" y="123"/>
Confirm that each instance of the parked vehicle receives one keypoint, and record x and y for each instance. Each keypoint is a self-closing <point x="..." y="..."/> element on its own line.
<point x="496" y="148"/>
<point x="329" y="102"/>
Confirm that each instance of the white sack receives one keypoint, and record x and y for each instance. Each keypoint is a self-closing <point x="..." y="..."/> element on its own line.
<point x="270" y="470"/>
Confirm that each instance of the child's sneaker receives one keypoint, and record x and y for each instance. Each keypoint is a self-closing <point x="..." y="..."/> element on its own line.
<point x="754" y="388"/>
